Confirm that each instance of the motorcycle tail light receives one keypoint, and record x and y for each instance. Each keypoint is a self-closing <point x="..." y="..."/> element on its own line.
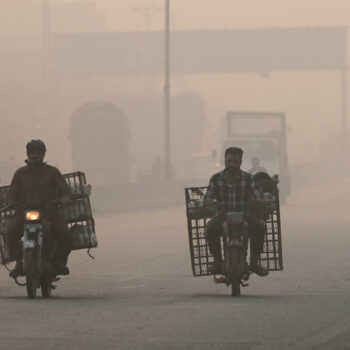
<point x="32" y="215"/>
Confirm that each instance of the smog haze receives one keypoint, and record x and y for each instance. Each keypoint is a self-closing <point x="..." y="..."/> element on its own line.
<point x="311" y="99"/>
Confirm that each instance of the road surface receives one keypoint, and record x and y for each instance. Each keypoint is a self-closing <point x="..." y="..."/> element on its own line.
<point x="139" y="292"/>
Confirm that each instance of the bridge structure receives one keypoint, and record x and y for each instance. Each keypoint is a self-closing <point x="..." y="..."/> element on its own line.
<point x="262" y="51"/>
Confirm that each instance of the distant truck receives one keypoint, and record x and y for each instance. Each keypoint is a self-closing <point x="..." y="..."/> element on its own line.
<point x="261" y="135"/>
<point x="100" y="138"/>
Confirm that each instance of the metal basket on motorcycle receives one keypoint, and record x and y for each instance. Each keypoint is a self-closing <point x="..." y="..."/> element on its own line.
<point x="267" y="210"/>
<point x="197" y="218"/>
<point x="78" y="213"/>
<point x="5" y="218"/>
<point x="263" y="207"/>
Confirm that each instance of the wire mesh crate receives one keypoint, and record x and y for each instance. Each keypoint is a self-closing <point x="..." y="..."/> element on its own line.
<point x="83" y="234"/>
<point x="271" y="257"/>
<point x="198" y="219"/>
<point x="4" y="250"/>
<point x="78" y="213"/>
<point x="5" y="218"/>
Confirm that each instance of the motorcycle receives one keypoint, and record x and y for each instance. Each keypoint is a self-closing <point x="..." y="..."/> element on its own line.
<point x="38" y="248"/>
<point x="235" y="270"/>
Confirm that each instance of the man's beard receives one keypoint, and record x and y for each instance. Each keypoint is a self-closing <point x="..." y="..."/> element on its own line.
<point x="232" y="170"/>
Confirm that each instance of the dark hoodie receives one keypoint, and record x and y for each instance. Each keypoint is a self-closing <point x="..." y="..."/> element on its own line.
<point x="43" y="182"/>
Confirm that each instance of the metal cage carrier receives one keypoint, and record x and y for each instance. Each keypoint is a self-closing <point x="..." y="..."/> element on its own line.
<point x="198" y="218"/>
<point x="78" y="215"/>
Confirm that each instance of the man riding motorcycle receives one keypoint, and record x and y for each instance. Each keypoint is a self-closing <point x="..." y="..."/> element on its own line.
<point x="232" y="189"/>
<point x="44" y="183"/>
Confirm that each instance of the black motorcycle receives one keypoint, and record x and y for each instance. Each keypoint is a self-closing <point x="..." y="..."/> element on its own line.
<point x="38" y="248"/>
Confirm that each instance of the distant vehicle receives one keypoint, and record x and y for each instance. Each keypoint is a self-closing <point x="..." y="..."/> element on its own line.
<point x="101" y="143"/>
<point x="261" y="135"/>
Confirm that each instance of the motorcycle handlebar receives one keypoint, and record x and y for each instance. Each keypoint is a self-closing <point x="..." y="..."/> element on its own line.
<point x="8" y="207"/>
<point x="12" y="206"/>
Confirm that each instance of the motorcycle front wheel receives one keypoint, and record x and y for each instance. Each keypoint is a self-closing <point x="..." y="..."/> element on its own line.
<point x="235" y="273"/>
<point x="31" y="278"/>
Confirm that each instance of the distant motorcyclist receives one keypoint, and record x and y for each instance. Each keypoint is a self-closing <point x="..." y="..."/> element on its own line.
<point x="232" y="189"/>
<point x="39" y="181"/>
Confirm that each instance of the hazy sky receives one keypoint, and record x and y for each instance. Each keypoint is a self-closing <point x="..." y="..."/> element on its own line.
<point x="311" y="100"/>
<point x="228" y="13"/>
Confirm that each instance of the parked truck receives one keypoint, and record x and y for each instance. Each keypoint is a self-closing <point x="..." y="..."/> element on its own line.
<point x="261" y="135"/>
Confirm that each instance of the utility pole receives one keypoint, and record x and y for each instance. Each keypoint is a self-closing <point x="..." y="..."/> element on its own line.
<point x="147" y="11"/>
<point x="344" y="131"/>
<point x="47" y="47"/>
<point x="167" y="140"/>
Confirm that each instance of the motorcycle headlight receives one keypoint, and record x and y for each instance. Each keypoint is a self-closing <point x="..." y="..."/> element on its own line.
<point x="32" y="215"/>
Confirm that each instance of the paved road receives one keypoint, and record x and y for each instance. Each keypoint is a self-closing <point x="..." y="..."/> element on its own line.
<point x="139" y="292"/>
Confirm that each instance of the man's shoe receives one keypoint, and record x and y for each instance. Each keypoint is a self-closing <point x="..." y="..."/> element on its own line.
<point x="259" y="270"/>
<point x="60" y="268"/>
<point x="17" y="270"/>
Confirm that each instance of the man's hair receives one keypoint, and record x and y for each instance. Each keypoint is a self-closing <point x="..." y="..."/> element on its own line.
<point x="234" y="151"/>
<point x="36" y="145"/>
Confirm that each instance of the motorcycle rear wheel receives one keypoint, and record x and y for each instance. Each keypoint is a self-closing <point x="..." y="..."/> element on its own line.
<point x="31" y="279"/>
<point x="235" y="273"/>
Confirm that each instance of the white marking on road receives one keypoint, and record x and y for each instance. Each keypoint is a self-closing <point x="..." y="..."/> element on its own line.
<point x="128" y="287"/>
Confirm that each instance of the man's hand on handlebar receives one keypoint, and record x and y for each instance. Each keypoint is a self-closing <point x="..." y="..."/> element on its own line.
<point x="199" y="203"/>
